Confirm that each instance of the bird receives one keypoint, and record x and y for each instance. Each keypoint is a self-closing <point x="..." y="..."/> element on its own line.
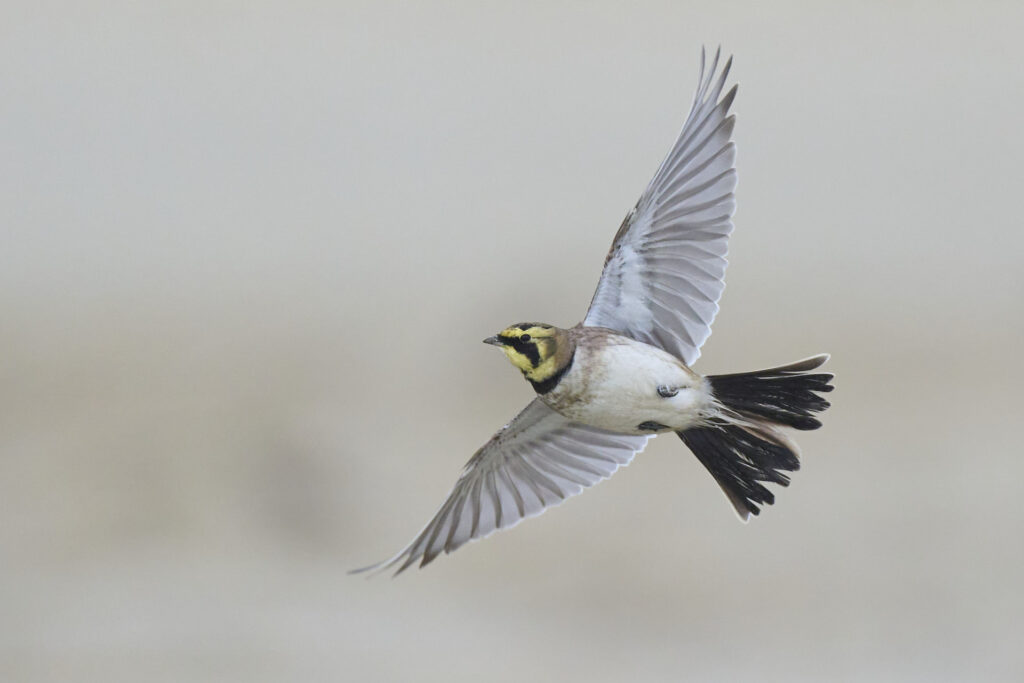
<point x="624" y="375"/>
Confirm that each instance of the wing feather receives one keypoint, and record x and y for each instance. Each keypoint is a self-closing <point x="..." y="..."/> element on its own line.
<point x="533" y="463"/>
<point x="665" y="272"/>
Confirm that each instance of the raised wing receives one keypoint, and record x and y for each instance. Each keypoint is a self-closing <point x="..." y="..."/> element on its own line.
<point x="664" y="274"/>
<point x="536" y="461"/>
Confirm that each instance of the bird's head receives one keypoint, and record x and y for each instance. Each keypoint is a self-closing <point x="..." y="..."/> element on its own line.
<point x="540" y="351"/>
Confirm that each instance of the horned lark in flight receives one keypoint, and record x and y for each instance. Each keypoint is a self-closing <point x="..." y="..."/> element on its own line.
<point x="623" y="375"/>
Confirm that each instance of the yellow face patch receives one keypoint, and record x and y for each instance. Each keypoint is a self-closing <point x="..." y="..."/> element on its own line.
<point x="531" y="347"/>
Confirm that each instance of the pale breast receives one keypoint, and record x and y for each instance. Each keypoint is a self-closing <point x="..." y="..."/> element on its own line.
<point x="623" y="385"/>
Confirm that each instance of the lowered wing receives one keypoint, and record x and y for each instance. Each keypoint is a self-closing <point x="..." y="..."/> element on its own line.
<point x="533" y="463"/>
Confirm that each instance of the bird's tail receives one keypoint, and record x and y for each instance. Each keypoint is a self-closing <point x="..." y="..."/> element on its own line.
<point x="743" y="446"/>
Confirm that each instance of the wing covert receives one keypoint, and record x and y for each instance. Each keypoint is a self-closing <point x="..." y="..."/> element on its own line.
<point x="665" y="272"/>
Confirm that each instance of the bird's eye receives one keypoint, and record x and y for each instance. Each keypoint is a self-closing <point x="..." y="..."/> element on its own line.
<point x="524" y="337"/>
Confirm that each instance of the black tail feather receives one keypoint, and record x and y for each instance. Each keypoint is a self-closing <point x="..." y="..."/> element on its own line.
<point x="739" y="461"/>
<point x="742" y="448"/>
<point x="783" y="395"/>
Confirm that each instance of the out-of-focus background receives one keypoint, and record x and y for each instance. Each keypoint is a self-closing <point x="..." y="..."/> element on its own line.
<point x="247" y="255"/>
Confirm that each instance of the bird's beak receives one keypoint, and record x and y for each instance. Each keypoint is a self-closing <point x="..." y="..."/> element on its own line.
<point x="493" y="341"/>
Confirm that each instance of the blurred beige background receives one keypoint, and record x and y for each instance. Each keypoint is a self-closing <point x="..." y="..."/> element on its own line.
<point x="247" y="255"/>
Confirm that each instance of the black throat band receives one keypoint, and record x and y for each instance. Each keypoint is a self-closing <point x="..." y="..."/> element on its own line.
<point x="551" y="382"/>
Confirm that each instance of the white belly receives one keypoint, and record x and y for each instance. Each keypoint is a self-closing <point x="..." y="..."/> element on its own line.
<point x="617" y="386"/>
